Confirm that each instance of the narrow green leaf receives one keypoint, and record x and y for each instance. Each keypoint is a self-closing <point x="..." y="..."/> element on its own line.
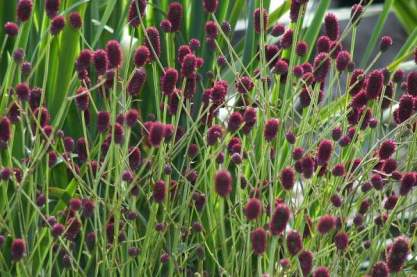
<point x="315" y="26"/>
<point x="376" y="32"/>
<point x="406" y="14"/>
<point x="105" y="18"/>
<point x="250" y="34"/>
<point x="279" y="12"/>
<point x="405" y="50"/>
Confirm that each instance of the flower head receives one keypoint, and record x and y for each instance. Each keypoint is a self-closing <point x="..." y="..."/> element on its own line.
<point x="223" y="183"/>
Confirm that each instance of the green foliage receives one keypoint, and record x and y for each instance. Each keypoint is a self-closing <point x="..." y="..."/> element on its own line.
<point x="126" y="213"/>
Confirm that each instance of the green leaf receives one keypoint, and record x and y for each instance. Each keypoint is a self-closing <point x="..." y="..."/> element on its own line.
<point x="279" y="12"/>
<point x="315" y="26"/>
<point x="376" y="32"/>
<point x="406" y="14"/>
<point x="250" y="34"/>
<point x="405" y="50"/>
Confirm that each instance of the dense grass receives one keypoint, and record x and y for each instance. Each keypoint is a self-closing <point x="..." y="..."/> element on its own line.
<point x="260" y="158"/>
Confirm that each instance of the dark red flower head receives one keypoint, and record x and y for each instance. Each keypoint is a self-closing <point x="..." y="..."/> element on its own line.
<point x="341" y="240"/>
<point x="281" y="67"/>
<point x="326" y="224"/>
<point x="405" y="109"/>
<point x="83" y="60"/>
<point x="142" y="55"/>
<point x="210" y="5"/>
<point x="306" y="261"/>
<point x="359" y="100"/>
<point x="336" y="133"/>
<point x="24" y="10"/>
<point x="258" y="240"/>
<point x="356" y="13"/>
<point x="183" y="51"/>
<point x="244" y="84"/>
<point x="156" y="133"/>
<point x="323" y="44"/>
<point x="321" y="67"/>
<point x="114" y="53"/>
<point x="321" y="271"/>
<point x="377" y="182"/>
<point x="153" y="42"/>
<point x="301" y="48"/>
<point x="159" y="191"/>
<point x="385" y="44"/>
<point x="100" y="61"/>
<point x="165" y="25"/>
<point x="398" y="76"/>
<point x="75" y="204"/>
<point x="82" y="150"/>
<point x="52" y="7"/>
<point x="380" y="269"/>
<point x="324" y="151"/>
<point x="356" y="82"/>
<point x="118" y="133"/>
<point x="14" y="113"/>
<point x="223" y="183"/>
<point x="135" y="158"/>
<point x="57" y="24"/>
<point x="214" y="134"/>
<point x="249" y="115"/>
<point x="11" y="29"/>
<point x="386" y="149"/>
<point x="103" y="121"/>
<point x="338" y="170"/>
<point x="68" y="144"/>
<point x="88" y="207"/>
<point x="194" y="44"/>
<point x="22" y="91"/>
<point x="18" y="55"/>
<point x="398" y="253"/>
<point x="226" y="27"/>
<point x="342" y="60"/>
<point x="271" y="129"/>
<point x="75" y="20"/>
<point x="136" y="83"/>
<point x="286" y="39"/>
<point x="290" y="137"/>
<point x="82" y="98"/>
<point x="137" y="8"/>
<point x="253" y="208"/>
<point x="189" y="65"/>
<point x="408" y="181"/>
<point x="57" y="229"/>
<point x="5" y="131"/>
<point x="287" y="178"/>
<point x="260" y="23"/>
<point x="174" y="16"/>
<point x="132" y="116"/>
<point x="235" y="121"/>
<point x="18" y="250"/>
<point x="278" y="29"/>
<point x="295" y="10"/>
<point x="374" y="84"/>
<point x="298" y="71"/>
<point x="294" y="242"/>
<point x="391" y="202"/>
<point x="279" y="219"/>
<point x="192" y="151"/>
<point x="331" y="25"/>
<point x="307" y="166"/>
<point x="169" y="81"/>
<point x="412" y="83"/>
<point x="211" y="29"/>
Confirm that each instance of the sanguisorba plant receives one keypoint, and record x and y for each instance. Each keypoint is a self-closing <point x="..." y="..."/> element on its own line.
<point x="142" y="138"/>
